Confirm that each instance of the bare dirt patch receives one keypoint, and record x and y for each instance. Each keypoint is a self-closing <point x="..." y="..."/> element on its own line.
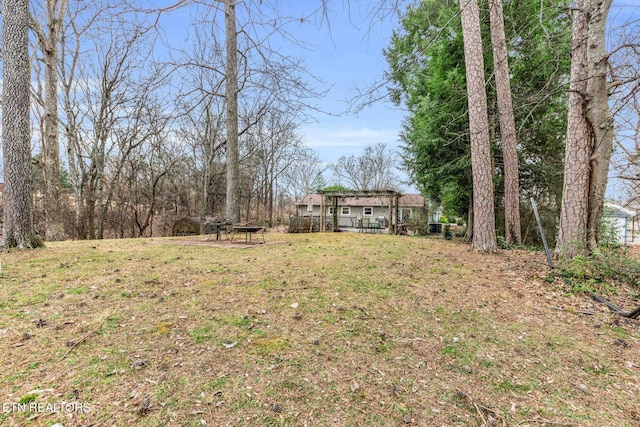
<point x="324" y="329"/>
<point x="239" y="244"/>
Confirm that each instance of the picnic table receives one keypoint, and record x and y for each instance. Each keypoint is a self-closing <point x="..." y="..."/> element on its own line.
<point x="248" y="231"/>
<point x="215" y="227"/>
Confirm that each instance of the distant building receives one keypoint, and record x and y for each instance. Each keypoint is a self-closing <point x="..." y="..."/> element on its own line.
<point x="351" y="210"/>
<point x="622" y="219"/>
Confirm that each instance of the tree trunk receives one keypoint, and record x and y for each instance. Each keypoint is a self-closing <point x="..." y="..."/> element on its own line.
<point x="18" y="228"/>
<point x="599" y="116"/>
<point x="507" y="125"/>
<point x="575" y="202"/>
<point x="51" y="147"/>
<point x="233" y="157"/>
<point x="484" y="229"/>
<point x="468" y="234"/>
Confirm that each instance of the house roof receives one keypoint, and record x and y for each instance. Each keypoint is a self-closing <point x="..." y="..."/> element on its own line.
<point x="618" y="211"/>
<point x="408" y="200"/>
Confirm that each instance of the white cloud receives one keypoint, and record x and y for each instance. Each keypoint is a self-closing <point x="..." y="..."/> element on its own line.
<point x="334" y="142"/>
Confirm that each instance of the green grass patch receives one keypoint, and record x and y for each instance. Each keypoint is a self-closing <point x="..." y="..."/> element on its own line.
<point x="77" y="291"/>
<point x="202" y="333"/>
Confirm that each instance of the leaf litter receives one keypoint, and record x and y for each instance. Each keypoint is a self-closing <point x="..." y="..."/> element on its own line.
<point x="322" y="329"/>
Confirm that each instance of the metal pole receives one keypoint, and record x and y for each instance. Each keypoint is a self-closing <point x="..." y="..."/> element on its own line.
<point x="544" y="239"/>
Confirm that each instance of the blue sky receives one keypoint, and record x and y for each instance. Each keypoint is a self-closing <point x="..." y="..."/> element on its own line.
<point x="348" y="55"/>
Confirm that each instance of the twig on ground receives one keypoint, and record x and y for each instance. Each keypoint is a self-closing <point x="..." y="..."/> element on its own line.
<point x="542" y="422"/>
<point x="83" y="339"/>
<point x="475" y="405"/>
<point x="588" y="313"/>
<point x="479" y="408"/>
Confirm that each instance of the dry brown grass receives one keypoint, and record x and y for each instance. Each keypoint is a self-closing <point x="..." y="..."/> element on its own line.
<point x="320" y="330"/>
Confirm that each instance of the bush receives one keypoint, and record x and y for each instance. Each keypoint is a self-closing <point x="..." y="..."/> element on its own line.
<point x="447" y="232"/>
<point x="599" y="272"/>
<point x="418" y="224"/>
<point x="608" y="232"/>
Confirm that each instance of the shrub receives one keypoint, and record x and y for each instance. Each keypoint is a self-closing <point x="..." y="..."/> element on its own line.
<point x="600" y="272"/>
<point x="418" y="224"/>
<point x="447" y="232"/>
<point x="608" y="232"/>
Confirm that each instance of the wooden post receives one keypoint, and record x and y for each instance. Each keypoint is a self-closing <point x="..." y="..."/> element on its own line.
<point x="323" y="213"/>
<point x="397" y="223"/>
<point x="335" y="213"/>
<point x="390" y="229"/>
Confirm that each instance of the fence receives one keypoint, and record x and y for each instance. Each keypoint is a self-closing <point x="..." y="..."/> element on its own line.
<point x="304" y="224"/>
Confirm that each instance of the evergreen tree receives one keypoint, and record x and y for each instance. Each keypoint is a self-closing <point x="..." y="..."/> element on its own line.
<point x="426" y="63"/>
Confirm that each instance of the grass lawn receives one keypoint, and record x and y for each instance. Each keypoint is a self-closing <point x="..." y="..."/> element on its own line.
<point x="342" y="329"/>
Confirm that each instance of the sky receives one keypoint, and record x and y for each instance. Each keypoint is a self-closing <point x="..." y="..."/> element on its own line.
<point x="348" y="55"/>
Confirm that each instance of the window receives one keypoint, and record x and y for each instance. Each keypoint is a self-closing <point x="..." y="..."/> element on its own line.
<point x="367" y="211"/>
<point x="345" y="211"/>
<point x="330" y="210"/>
<point x="310" y="207"/>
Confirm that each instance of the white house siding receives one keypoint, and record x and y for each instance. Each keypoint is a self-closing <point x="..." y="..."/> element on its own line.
<point x="378" y="205"/>
<point x="621" y="219"/>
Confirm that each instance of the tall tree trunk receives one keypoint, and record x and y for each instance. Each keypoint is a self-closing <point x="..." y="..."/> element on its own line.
<point x="77" y="171"/>
<point x="233" y="157"/>
<point x="598" y="115"/>
<point x="468" y="234"/>
<point x="484" y="228"/>
<point x="51" y="147"/>
<point x="575" y="202"/>
<point x="18" y="228"/>
<point x="507" y="125"/>
<point x="90" y="206"/>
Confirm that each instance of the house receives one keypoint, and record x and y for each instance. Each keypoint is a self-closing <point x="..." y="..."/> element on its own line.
<point x="621" y="220"/>
<point x="353" y="209"/>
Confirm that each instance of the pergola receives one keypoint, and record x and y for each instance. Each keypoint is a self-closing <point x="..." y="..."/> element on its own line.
<point x="330" y="198"/>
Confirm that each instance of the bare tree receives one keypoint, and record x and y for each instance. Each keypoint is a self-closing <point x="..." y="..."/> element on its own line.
<point x="48" y="36"/>
<point x="103" y="102"/>
<point x="374" y="169"/>
<point x="140" y="189"/>
<point x="627" y="161"/>
<point x="265" y="78"/>
<point x="507" y="124"/>
<point x="231" y="74"/>
<point x="625" y="94"/>
<point x="17" y="227"/>
<point x="305" y="174"/>
<point x="484" y="229"/>
<point x="278" y="148"/>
